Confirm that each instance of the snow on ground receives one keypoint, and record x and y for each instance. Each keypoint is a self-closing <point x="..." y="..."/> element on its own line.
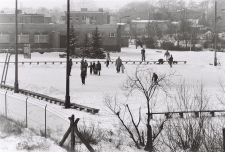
<point x="27" y="141"/>
<point x="50" y="79"/>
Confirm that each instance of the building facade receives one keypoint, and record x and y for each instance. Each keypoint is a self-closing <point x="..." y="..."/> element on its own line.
<point x="55" y="35"/>
<point x="25" y="18"/>
<point x="88" y="17"/>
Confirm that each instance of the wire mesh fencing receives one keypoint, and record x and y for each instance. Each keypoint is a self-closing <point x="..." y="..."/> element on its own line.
<point x="41" y="118"/>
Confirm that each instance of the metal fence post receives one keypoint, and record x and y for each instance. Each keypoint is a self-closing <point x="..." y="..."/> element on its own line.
<point x="223" y="139"/>
<point x="5" y="105"/>
<point x="26" y="113"/>
<point x="45" y="120"/>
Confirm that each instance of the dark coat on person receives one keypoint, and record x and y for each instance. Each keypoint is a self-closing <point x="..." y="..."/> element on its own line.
<point x="154" y="77"/>
<point x="171" y="59"/>
<point x="93" y="65"/>
<point x="81" y="64"/>
<point x="143" y="51"/>
<point x="85" y="65"/>
<point x="118" y="62"/>
<point x="99" y="67"/>
<point x="83" y="73"/>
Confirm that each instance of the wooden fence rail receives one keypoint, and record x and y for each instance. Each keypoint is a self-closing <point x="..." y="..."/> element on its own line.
<point x="76" y="62"/>
<point x="52" y="100"/>
<point x="181" y="113"/>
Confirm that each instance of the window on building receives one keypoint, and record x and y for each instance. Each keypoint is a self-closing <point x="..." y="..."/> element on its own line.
<point x="41" y="39"/>
<point x="112" y="34"/>
<point x="4" y="38"/>
<point x="77" y="18"/>
<point x="23" y="38"/>
<point x="83" y="18"/>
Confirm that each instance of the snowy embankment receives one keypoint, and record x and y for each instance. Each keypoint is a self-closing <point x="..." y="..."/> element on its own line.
<point x="50" y="79"/>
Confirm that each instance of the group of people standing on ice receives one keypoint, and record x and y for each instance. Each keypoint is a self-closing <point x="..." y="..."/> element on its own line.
<point x="169" y="57"/>
<point x="95" y="68"/>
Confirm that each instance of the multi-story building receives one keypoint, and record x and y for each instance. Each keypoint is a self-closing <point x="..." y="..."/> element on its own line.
<point x="54" y="35"/>
<point x="24" y="18"/>
<point x="89" y="17"/>
<point x="33" y="30"/>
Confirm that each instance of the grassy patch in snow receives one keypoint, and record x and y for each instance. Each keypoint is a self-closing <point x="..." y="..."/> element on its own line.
<point x="10" y="127"/>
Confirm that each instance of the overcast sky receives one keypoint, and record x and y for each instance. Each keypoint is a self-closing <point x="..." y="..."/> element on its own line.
<point x="113" y="4"/>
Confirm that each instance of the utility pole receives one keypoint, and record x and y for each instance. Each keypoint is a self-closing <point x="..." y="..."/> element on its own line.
<point x="67" y="100"/>
<point x="16" y="85"/>
<point x="215" y="28"/>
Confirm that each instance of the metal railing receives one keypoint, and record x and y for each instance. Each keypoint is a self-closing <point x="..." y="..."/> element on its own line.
<point x="60" y="62"/>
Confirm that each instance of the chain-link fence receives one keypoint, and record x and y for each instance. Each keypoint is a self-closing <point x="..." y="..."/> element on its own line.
<point x="40" y="117"/>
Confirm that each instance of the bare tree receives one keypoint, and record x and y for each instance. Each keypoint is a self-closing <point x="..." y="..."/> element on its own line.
<point x="141" y="81"/>
<point x="188" y="133"/>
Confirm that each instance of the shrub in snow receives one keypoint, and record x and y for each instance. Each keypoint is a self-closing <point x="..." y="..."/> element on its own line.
<point x="37" y="144"/>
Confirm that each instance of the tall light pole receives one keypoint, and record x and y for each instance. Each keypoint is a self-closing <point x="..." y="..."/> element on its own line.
<point x="67" y="98"/>
<point x="215" y="28"/>
<point x="16" y="85"/>
<point x="120" y="29"/>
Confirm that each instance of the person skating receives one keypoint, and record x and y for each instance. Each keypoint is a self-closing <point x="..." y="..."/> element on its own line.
<point x="91" y="68"/>
<point x="167" y="55"/>
<point x="122" y="68"/>
<point x="118" y="64"/>
<point x="107" y="60"/>
<point x="93" y="65"/>
<point x="85" y="66"/>
<point x="170" y="60"/>
<point x="83" y="76"/>
<point x="82" y="64"/>
<point x="143" y="54"/>
<point x="94" y="68"/>
<point x="154" y="78"/>
<point x="99" y="68"/>
<point x="70" y="66"/>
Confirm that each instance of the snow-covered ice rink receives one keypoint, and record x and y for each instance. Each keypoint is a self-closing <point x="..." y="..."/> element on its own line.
<point x="50" y="79"/>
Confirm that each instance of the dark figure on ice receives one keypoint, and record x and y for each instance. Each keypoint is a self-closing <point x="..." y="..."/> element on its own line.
<point x="118" y="64"/>
<point x="99" y="68"/>
<point x="94" y="68"/>
<point x="91" y="68"/>
<point x="70" y="66"/>
<point x="167" y="55"/>
<point x="83" y="76"/>
<point x="93" y="65"/>
<point x="82" y="64"/>
<point x="143" y="54"/>
<point x="171" y="61"/>
<point x="85" y="66"/>
<point x="154" y="78"/>
<point x="107" y="60"/>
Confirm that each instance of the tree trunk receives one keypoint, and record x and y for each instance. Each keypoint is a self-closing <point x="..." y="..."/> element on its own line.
<point x="149" y="146"/>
